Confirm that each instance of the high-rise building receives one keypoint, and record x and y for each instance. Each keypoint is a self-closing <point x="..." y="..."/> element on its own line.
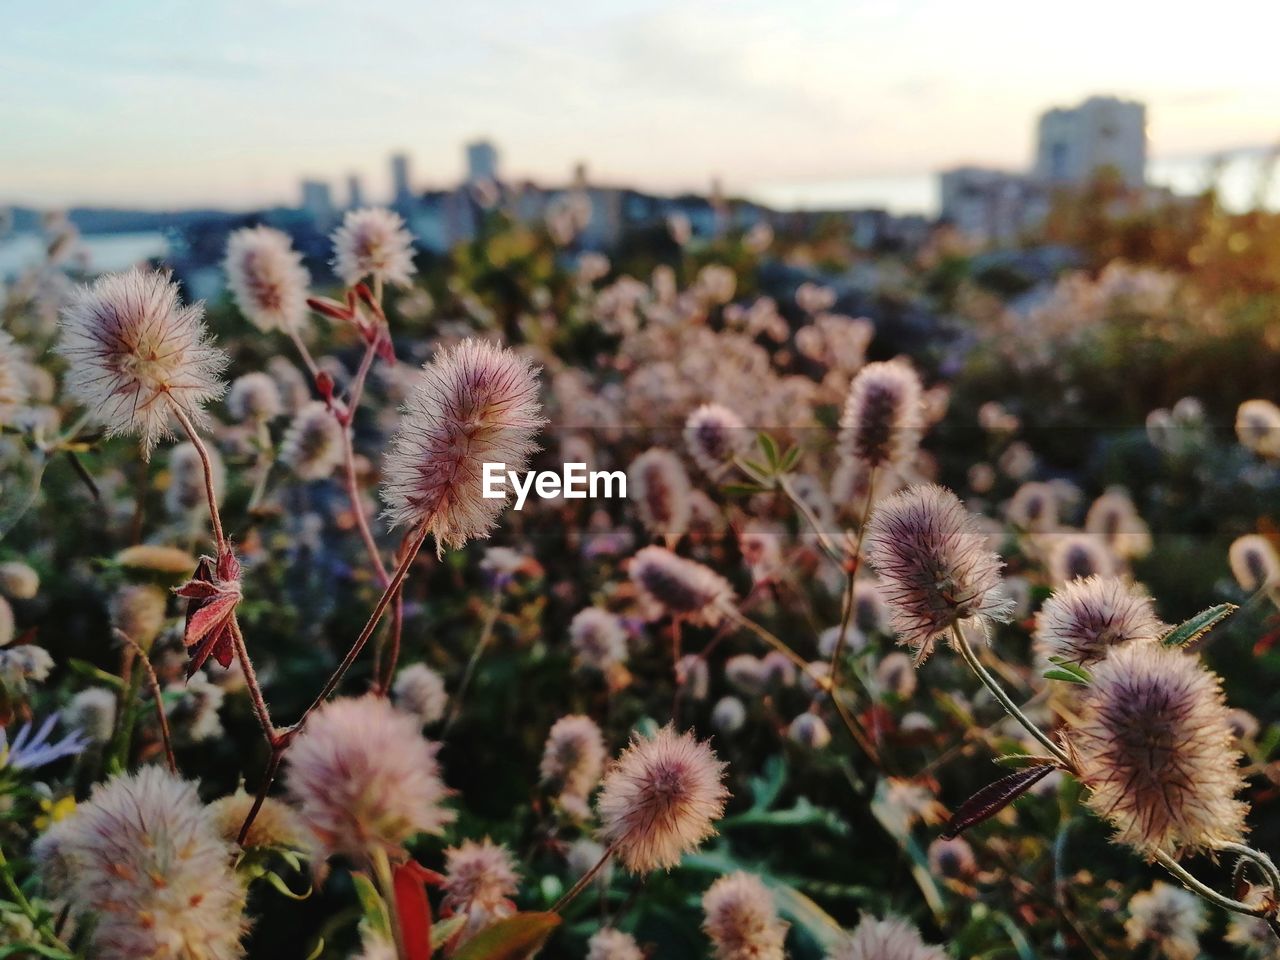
<point x="355" y="192"/>
<point x="482" y="161"/>
<point x="1103" y="133"/>
<point x="401" y="192"/>
<point x="317" y="201"/>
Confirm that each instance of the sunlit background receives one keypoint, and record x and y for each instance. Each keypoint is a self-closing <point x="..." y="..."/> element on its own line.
<point x="829" y="103"/>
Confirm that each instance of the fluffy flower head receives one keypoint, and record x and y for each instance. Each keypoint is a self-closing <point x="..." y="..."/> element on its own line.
<point x="372" y="242"/>
<point x="480" y="880"/>
<point x="887" y="939"/>
<point x="475" y="403"/>
<point x="136" y="355"/>
<point x="934" y="566"/>
<point x="1157" y="751"/>
<point x="713" y="434"/>
<point x="142" y="855"/>
<point x="740" y="918"/>
<point x="682" y="588"/>
<point x="660" y="799"/>
<point x="267" y="278"/>
<point x="660" y="490"/>
<point x="883" y="415"/>
<point x="1085" y="619"/>
<point x="363" y="776"/>
<point x="573" y="757"/>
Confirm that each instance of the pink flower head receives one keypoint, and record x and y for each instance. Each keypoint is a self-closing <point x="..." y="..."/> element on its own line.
<point x="372" y="242"/>
<point x="1157" y="750"/>
<point x="883" y="415"/>
<point x="660" y="799"/>
<point x="136" y="355"/>
<point x="480" y="880"/>
<point x="741" y="919"/>
<point x="934" y="566"/>
<point x="1085" y="619"/>
<point x="363" y="777"/>
<point x="267" y="278"/>
<point x="680" y="587"/>
<point x="475" y="403"/>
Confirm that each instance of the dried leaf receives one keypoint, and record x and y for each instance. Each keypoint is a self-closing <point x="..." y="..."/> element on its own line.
<point x="993" y="798"/>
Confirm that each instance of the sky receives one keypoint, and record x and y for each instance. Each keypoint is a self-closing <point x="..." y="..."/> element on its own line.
<point x="231" y="102"/>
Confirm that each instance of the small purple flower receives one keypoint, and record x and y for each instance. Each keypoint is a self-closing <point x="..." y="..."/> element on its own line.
<point x="29" y="751"/>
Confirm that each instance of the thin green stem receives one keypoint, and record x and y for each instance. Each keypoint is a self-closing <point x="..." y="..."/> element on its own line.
<point x="1207" y="892"/>
<point x="486" y="635"/>
<point x="997" y="691"/>
<point x="585" y="879"/>
<point x="28" y="909"/>
<point x="387" y="886"/>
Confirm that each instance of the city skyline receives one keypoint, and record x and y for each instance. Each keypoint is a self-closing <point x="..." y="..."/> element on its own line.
<point x="232" y="104"/>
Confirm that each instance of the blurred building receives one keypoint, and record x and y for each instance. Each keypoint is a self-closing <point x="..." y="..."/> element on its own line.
<point x="317" y="203"/>
<point x="355" y="192"/>
<point x="482" y="161"/>
<point x="1073" y="145"/>
<point x="992" y="206"/>
<point x="401" y="192"/>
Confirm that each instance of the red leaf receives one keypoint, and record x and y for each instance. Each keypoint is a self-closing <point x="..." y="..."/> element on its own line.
<point x="414" y="910"/>
<point x="994" y="797"/>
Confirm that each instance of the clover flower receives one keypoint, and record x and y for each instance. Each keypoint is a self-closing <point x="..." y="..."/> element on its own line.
<point x="267" y="279"/>
<point x="887" y="939"/>
<point x="660" y="490"/>
<point x="363" y="777"/>
<point x="680" y="587"/>
<point x="934" y="566"/>
<point x="1258" y="427"/>
<point x="142" y="857"/>
<point x="475" y="403"/>
<point x="741" y="919"/>
<point x="480" y="880"/>
<point x="1168" y="917"/>
<point x="420" y="690"/>
<point x="1155" y="747"/>
<point x="93" y="712"/>
<point x="277" y="825"/>
<point x="660" y="800"/>
<point x="1077" y="556"/>
<point x="138" y="611"/>
<point x="1116" y="519"/>
<point x="373" y="242"/>
<point x="13" y="379"/>
<point x="186" y="491"/>
<point x="611" y="944"/>
<point x="18" y="581"/>
<point x="312" y="446"/>
<point x="883" y="416"/>
<point x="573" y="757"/>
<point x="713" y="435"/>
<point x="1085" y="619"/>
<point x="254" y="397"/>
<point x="137" y="355"/>
<point x="1254" y="562"/>
<point x="598" y="639"/>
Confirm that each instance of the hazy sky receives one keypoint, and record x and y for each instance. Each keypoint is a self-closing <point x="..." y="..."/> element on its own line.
<point x="230" y="102"/>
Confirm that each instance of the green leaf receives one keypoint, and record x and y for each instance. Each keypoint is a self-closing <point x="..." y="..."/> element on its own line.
<point x="86" y="669"/>
<point x="789" y="460"/>
<point x="741" y="489"/>
<point x="372" y="906"/>
<point x="442" y="930"/>
<point x="769" y="447"/>
<point x="514" y="938"/>
<point x="1067" y="676"/>
<point x="36" y="949"/>
<point x="1195" y="628"/>
<point x="278" y="882"/>
<point x="765" y="788"/>
<point x="757" y="470"/>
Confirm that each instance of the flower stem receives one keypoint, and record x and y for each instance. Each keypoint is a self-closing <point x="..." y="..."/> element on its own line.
<point x="584" y="880"/>
<point x="215" y="517"/>
<point x="486" y="635"/>
<point x="387" y="886"/>
<point x="997" y="691"/>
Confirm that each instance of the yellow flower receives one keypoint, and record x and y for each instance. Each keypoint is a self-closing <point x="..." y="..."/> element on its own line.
<point x="54" y="811"/>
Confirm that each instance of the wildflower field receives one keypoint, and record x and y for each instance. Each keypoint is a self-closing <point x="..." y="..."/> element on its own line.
<point x="925" y="604"/>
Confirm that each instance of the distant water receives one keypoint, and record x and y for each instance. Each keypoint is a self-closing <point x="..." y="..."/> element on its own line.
<point x="100" y="252"/>
<point x="1238" y="184"/>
